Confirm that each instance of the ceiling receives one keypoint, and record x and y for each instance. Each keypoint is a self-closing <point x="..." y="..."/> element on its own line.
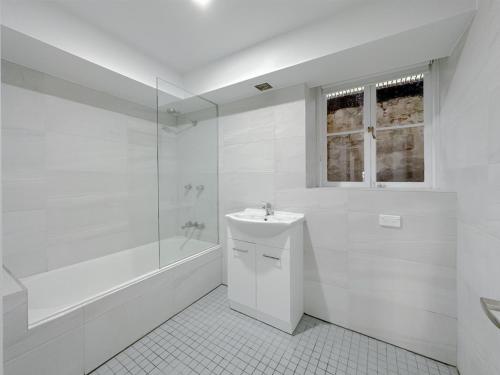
<point x="220" y="50"/>
<point x="186" y="36"/>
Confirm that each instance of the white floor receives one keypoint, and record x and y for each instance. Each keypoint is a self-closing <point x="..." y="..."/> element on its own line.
<point x="210" y="338"/>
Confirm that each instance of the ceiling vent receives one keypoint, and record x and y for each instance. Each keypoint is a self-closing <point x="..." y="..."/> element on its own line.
<point x="263" y="86"/>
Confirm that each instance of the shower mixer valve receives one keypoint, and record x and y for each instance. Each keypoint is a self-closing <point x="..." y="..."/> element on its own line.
<point x="195" y="225"/>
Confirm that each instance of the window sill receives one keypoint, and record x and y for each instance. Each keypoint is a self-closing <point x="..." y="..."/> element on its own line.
<point x="393" y="189"/>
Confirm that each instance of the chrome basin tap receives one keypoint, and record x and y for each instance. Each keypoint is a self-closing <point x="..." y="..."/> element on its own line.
<point x="269" y="208"/>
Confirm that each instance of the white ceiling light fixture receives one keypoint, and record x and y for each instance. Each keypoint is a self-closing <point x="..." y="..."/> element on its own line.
<point x="202" y="3"/>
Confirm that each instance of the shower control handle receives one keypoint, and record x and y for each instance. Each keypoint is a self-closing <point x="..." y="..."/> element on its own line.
<point x="188" y="224"/>
<point x="195" y="224"/>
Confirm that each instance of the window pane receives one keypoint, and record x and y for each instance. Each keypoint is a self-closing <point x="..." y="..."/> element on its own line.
<point x="400" y="103"/>
<point x="345" y="158"/>
<point x="345" y="112"/>
<point x="400" y="155"/>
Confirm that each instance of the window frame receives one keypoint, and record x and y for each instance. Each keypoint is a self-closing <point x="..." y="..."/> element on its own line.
<point x="369" y="119"/>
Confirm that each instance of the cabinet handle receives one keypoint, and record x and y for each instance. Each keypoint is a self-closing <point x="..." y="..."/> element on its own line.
<point x="270" y="257"/>
<point x="240" y="250"/>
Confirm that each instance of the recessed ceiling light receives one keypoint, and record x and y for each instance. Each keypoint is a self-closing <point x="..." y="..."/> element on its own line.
<point x="202" y="3"/>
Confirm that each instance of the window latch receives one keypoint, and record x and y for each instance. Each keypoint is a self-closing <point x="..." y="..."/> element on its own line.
<point x="371" y="130"/>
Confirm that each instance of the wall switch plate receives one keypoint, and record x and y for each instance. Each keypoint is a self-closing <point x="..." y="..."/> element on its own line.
<point x="392" y="221"/>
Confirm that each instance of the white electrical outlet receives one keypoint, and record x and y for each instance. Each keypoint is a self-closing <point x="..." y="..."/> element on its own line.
<point x="392" y="221"/>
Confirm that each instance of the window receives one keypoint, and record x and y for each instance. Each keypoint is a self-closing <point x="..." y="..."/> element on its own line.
<point x="377" y="134"/>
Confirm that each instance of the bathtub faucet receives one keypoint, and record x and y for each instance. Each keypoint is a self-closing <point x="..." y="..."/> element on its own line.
<point x="195" y="224"/>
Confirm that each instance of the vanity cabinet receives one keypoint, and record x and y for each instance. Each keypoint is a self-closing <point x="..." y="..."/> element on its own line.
<point x="265" y="276"/>
<point x="242" y="274"/>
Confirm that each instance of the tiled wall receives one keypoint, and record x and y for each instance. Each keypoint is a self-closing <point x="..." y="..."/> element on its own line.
<point x="80" y="173"/>
<point x="79" y="180"/>
<point x="197" y="160"/>
<point x="394" y="284"/>
<point x="470" y="122"/>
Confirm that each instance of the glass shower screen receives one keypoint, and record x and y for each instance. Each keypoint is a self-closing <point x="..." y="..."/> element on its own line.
<point x="187" y="173"/>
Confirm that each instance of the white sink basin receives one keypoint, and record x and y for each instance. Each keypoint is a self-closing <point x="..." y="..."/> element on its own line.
<point x="254" y="222"/>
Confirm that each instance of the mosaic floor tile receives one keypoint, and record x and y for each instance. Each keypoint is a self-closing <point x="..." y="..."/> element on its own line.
<point x="210" y="338"/>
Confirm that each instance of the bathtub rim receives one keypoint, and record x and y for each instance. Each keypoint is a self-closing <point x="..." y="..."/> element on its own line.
<point x="117" y="288"/>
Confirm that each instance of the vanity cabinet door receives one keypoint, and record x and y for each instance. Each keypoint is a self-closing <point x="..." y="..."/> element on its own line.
<point x="273" y="281"/>
<point x="241" y="262"/>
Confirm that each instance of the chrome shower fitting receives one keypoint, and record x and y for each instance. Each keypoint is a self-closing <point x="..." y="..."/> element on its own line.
<point x="200" y="188"/>
<point x="187" y="225"/>
<point x="188" y="187"/>
<point x="195" y="225"/>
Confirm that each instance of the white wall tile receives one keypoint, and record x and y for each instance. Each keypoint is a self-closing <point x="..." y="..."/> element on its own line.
<point x="39" y="336"/>
<point x="327" y="302"/>
<point x="290" y="154"/>
<point x="193" y="283"/>
<point x="418" y="285"/>
<point x="72" y="152"/>
<point x="83" y="121"/>
<point x="23" y="153"/>
<point x="289" y="180"/>
<point x="250" y="126"/>
<point x="23" y="109"/>
<point x="418" y="203"/>
<point x="15" y="322"/>
<point x="83" y="246"/>
<point x="62" y="355"/>
<point x="326" y="229"/>
<point x="197" y="157"/>
<point x="469" y="95"/>
<point x="27" y="193"/>
<point x="427" y="251"/>
<point x="248" y="157"/>
<point x="112" y="331"/>
<point x="322" y="198"/>
<point x="240" y="190"/>
<point x="90" y="173"/>
<point x="326" y="266"/>
<point x="421" y="331"/>
<point x="290" y="118"/>
<point x="25" y="242"/>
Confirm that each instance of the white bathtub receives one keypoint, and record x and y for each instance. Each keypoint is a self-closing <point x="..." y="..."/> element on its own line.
<point x="177" y="248"/>
<point x="81" y="315"/>
<point x="57" y="291"/>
